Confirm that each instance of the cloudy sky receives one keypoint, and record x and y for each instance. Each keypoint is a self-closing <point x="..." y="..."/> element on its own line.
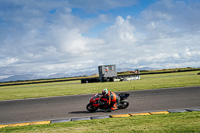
<point x="46" y="37"/>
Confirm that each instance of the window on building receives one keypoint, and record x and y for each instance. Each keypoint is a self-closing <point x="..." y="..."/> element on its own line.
<point x="113" y="68"/>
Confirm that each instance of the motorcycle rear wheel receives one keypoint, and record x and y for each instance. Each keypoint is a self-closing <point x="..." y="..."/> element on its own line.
<point x="91" y="108"/>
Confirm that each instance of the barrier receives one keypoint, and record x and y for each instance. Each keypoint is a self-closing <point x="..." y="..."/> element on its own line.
<point x="81" y="118"/>
<point x="61" y="120"/>
<point x="177" y="110"/>
<point x="100" y="117"/>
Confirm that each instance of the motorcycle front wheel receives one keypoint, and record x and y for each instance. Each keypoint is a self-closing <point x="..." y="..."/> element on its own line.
<point x="91" y="108"/>
<point x="123" y="104"/>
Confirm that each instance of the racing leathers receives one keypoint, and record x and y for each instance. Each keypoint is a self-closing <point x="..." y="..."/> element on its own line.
<point x="112" y="100"/>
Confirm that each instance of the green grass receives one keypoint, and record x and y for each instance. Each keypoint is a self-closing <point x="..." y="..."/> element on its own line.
<point x="154" y="81"/>
<point x="172" y="123"/>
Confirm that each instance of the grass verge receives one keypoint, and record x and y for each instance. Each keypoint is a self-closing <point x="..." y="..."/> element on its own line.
<point x="173" y="122"/>
<point x="154" y="81"/>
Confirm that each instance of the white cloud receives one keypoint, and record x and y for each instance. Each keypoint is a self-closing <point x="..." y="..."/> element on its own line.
<point x="120" y="34"/>
<point x="94" y="6"/>
<point x="8" y="61"/>
<point x="72" y="42"/>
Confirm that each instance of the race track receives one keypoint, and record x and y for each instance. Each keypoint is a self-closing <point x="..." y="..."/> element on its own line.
<point x="15" y="111"/>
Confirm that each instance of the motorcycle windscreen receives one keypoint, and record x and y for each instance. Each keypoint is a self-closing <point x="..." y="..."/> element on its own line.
<point x="124" y="95"/>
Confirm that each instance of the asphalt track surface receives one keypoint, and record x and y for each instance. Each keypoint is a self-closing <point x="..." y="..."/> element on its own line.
<point x="15" y="111"/>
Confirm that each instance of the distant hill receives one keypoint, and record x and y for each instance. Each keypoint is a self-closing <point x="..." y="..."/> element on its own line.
<point x="52" y="76"/>
<point x="17" y="77"/>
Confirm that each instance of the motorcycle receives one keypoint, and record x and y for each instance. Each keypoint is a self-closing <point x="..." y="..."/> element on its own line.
<point x="99" y="102"/>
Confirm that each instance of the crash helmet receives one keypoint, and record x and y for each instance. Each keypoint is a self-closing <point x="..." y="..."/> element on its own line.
<point x="105" y="91"/>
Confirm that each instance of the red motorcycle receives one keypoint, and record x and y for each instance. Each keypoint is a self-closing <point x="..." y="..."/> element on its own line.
<point x="99" y="102"/>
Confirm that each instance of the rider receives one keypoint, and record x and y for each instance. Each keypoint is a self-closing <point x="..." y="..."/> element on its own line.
<point x="112" y="98"/>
